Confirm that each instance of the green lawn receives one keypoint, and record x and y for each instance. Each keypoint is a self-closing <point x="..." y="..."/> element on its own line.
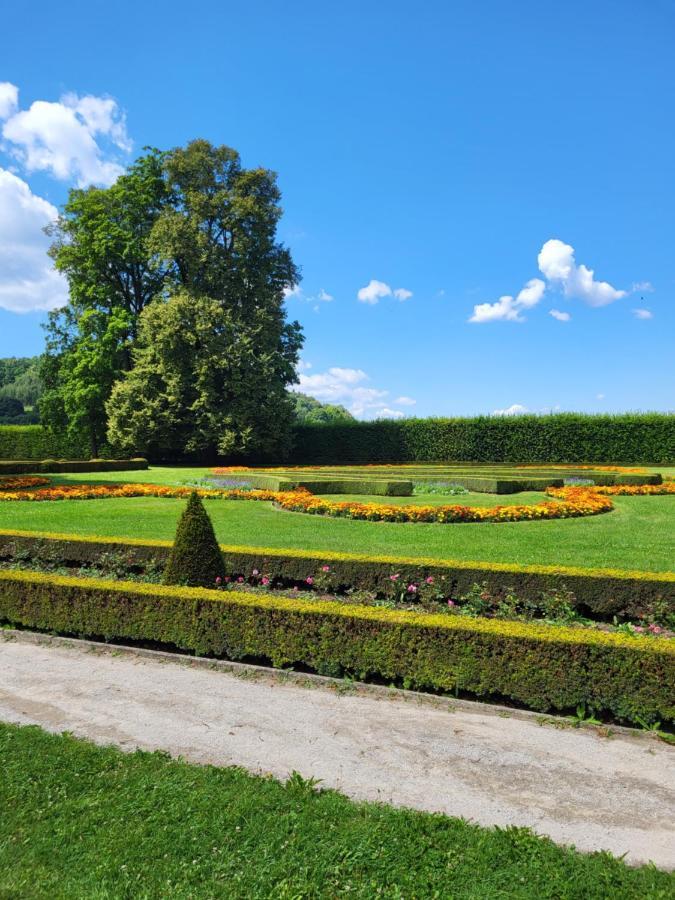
<point x="636" y="535"/>
<point x="84" y="821"/>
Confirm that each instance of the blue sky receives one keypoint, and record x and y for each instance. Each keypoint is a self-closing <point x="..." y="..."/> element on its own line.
<point x="480" y="156"/>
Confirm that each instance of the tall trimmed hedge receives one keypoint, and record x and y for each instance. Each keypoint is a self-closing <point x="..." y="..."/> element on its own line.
<point x="35" y="442"/>
<point x="559" y="438"/>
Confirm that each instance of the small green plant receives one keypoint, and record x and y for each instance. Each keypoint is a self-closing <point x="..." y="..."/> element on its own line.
<point x="584" y="717"/>
<point x="195" y="557"/>
<point x="438" y="487"/>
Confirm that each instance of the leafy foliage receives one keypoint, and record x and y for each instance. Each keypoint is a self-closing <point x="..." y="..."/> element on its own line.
<point x="309" y="411"/>
<point x="195" y="557"/>
<point x="202" y="384"/>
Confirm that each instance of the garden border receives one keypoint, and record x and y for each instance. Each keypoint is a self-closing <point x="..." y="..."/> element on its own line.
<point x="603" y="592"/>
<point x="540" y="666"/>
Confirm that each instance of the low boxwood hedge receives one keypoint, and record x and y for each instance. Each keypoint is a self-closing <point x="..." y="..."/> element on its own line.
<point x="539" y="666"/>
<point x="26" y="466"/>
<point x="600" y="593"/>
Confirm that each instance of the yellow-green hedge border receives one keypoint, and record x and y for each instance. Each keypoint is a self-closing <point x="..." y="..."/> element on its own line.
<point x="603" y="592"/>
<point x="542" y="667"/>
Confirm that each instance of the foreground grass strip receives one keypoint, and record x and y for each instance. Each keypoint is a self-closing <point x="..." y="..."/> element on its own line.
<point x="540" y="666"/>
<point x="85" y="821"/>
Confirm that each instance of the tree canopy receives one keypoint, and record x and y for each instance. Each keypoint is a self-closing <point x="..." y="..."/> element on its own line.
<point x="309" y="411"/>
<point x="191" y="235"/>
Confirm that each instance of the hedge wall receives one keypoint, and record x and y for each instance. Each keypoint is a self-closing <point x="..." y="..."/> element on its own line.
<point x="25" y="467"/>
<point x="539" y="666"/>
<point x="35" y="442"/>
<point x="559" y="438"/>
<point x="600" y="593"/>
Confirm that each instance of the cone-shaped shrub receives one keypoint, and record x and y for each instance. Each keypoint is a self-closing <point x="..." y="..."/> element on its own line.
<point x="195" y="557"/>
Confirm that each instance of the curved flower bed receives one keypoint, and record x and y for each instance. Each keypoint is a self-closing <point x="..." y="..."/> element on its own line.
<point x="569" y="502"/>
<point x="21" y="482"/>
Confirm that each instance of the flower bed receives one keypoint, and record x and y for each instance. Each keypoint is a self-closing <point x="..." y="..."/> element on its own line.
<point x="21" y="482"/>
<point x="602" y="594"/>
<point x="570" y="502"/>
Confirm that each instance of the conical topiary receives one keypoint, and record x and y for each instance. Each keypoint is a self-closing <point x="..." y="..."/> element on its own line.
<point x="195" y="557"/>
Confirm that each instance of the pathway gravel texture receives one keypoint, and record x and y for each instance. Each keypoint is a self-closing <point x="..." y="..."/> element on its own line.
<point x="463" y="759"/>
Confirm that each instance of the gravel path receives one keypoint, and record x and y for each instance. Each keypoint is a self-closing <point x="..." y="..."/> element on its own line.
<point x="463" y="759"/>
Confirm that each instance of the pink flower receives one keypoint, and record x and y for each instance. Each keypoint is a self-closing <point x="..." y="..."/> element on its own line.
<point x="219" y="580"/>
<point x="309" y="580"/>
<point x="638" y="628"/>
<point x="325" y="568"/>
<point x="255" y="572"/>
<point x="265" y="580"/>
<point x="451" y="603"/>
<point x="227" y="578"/>
<point x="394" y="577"/>
<point x="240" y="579"/>
<point x="412" y="588"/>
<point x="654" y="629"/>
<point x="429" y="580"/>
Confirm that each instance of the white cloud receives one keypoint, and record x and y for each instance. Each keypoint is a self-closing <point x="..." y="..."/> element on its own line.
<point x="560" y="316"/>
<point x="295" y="291"/>
<point x="642" y="287"/>
<point x="77" y="138"/>
<point x="402" y="294"/>
<point x="508" y="308"/>
<point x="28" y="280"/>
<point x="557" y="264"/>
<point x="303" y="366"/>
<point x="9" y="99"/>
<point x="599" y="396"/>
<point x="373" y="292"/>
<point x="405" y="401"/>
<point x="643" y="314"/>
<point x="349" y="388"/>
<point x="516" y="410"/>
<point x="324" y="296"/>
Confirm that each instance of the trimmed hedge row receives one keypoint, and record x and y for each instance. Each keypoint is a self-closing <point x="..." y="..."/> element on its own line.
<point x="324" y="485"/>
<point x="601" y="593"/>
<point x="36" y="442"/>
<point x="541" y="667"/>
<point x="24" y="466"/>
<point x="559" y="438"/>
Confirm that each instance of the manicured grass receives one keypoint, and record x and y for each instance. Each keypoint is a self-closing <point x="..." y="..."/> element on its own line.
<point x="636" y="535"/>
<point x="83" y="821"/>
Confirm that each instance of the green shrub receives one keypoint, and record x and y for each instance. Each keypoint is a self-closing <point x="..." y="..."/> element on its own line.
<point x="560" y="438"/>
<point x="540" y="666"/>
<point x="600" y="593"/>
<point x="195" y="558"/>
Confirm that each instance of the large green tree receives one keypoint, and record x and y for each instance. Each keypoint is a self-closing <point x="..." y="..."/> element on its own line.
<point x="101" y="244"/>
<point x="202" y="385"/>
<point x="185" y="229"/>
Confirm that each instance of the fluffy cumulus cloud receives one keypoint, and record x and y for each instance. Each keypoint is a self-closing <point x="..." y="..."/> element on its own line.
<point x="375" y="290"/>
<point x="405" y="401"/>
<point x="643" y="314"/>
<point x="516" y="409"/>
<point x="558" y="265"/>
<point x="562" y="273"/>
<point x="560" y="316"/>
<point x="509" y="308"/>
<point x="77" y="139"/>
<point x="27" y="279"/>
<point x="9" y="99"/>
<point x="350" y="388"/>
